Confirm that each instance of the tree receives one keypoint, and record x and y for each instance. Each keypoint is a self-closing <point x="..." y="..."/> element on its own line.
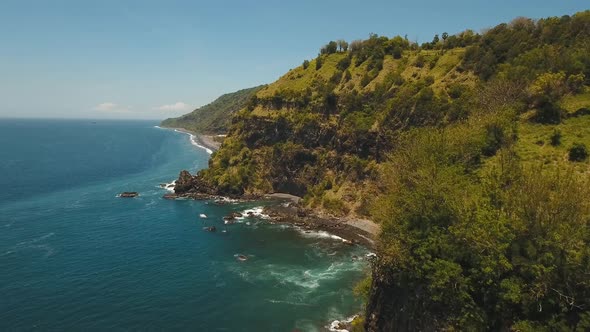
<point x="397" y="52"/>
<point x="332" y="47"/>
<point x="342" y="45"/>
<point x="545" y="93"/>
<point x="356" y="45"/>
<point x="305" y="64"/>
<point x="445" y="35"/>
<point x="435" y="40"/>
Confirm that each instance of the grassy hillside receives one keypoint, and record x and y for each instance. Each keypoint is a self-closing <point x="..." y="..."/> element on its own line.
<point x="213" y="118"/>
<point x="471" y="152"/>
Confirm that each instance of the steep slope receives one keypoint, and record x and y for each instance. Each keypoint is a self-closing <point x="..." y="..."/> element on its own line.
<point x="470" y="151"/>
<point x="213" y="118"/>
<point x="320" y="131"/>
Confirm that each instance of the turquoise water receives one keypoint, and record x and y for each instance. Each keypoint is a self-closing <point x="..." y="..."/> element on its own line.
<point x="73" y="256"/>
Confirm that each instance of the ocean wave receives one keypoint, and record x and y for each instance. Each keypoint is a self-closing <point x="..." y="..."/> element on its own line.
<point x="310" y="278"/>
<point x="255" y="212"/>
<point x="33" y="244"/>
<point x="335" y="326"/>
<point x="168" y="186"/>
<point x="194" y="141"/>
<point x="289" y="302"/>
<point x="318" y="234"/>
<point x="226" y="200"/>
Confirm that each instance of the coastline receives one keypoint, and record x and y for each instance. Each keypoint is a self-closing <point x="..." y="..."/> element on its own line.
<point x="206" y="142"/>
<point x="285" y="208"/>
<point x="353" y="231"/>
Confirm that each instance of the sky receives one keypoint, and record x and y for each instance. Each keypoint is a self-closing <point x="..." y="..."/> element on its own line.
<point x="158" y="59"/>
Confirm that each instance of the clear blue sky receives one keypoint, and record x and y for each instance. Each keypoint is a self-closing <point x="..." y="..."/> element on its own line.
<point x="156" y="59"/>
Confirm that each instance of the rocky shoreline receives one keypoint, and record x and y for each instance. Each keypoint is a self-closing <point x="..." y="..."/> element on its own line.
<point x="309" y="220"/>
<point x="283" y="208"/>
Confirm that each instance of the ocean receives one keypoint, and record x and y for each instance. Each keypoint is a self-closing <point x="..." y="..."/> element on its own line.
<point x="74" y="256"/>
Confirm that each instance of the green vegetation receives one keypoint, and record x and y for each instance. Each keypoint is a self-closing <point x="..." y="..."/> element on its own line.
<point x="215" y="117"/>
<point x="469" y="150"/>
<point x="578" y="152"/>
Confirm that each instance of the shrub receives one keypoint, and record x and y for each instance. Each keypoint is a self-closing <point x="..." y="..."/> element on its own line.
<point x="419" y="61"/>
<point x="397" y="52"/>
<point x="347" y="75"/>
<point x="556" y="137"/>
<point x="334" y="205"/>
<point x="365" y="80"/>
<point x="336" y="77"/>
<point x="344" y="63"/>
<point x="576" y="82"/>
<point x="318" y="63"/>
<point x="578" y="152"/>
<point x="455" y="90"/>
<point x="305" y="64"/>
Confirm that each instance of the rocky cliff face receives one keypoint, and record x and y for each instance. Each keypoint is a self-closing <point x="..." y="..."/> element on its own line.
<point x="322" y="131"/>
<point x="187" y="184"/>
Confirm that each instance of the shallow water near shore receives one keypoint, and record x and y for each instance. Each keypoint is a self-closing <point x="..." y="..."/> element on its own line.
<point x="76" y="257"/>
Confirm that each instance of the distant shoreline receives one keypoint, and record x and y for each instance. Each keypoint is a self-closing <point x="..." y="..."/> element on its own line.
<point x="206" y="141"/>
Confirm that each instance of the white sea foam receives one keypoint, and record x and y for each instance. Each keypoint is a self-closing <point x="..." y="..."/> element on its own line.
<point x="335" y="325"/>
<point x="253" y="212"/>
<point x="318" y="234"/>
<point x="202" y="215"/>
<point x="289" y="302"/>
<point x="225" y="200"/>
<point x="194" y="141"/>
<point x="309" y="279"/>
<point x="170" y="186"/>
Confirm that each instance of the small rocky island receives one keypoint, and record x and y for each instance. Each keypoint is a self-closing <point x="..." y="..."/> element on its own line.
<point x="129" y="194"/>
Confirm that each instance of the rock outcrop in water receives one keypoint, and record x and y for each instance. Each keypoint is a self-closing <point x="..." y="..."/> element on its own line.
<point x="129" y="194"/>
<point x="193" y="186"/>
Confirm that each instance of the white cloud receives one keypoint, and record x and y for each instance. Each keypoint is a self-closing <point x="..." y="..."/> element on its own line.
<point x="178" y="106"/>
<point x="111" y="107"/>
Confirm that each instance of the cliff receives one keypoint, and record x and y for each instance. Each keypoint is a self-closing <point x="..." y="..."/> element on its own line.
<point x="470" y="151"/>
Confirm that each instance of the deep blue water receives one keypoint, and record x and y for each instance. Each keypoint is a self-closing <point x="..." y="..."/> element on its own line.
<point x="73" y="256"/>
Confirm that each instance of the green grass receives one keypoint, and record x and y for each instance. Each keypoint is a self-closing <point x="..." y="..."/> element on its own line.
<point x="534" y="146"/>
<point x="572" y="103"/>
<point x="298" y="79"/>
<point x="444" y="72"/>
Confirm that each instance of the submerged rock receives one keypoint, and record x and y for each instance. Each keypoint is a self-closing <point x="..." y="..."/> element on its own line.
<point x="170" y="196"/>
<point x="210" y="229"/>
<point x="232" y="216"/>
<point x="128" y="194"/>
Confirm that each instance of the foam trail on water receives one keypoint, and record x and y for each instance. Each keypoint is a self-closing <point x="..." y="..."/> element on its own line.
<point x="194" y="141"/>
